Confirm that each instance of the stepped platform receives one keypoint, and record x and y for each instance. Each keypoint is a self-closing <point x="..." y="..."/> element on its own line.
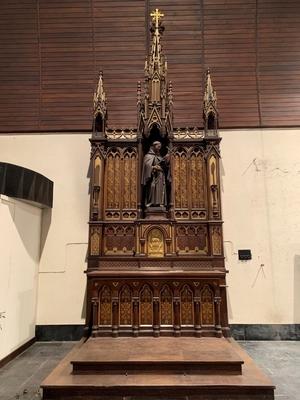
<point x="179" y="355"/>
<point x="157" y="368"/>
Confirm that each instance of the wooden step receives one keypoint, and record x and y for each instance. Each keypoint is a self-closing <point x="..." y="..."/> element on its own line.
<point x="163" y="355"/>
<point x="64" y="384"/>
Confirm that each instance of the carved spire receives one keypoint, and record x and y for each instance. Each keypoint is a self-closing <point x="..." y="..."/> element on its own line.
<point x="156" y="111"/>
<point x="100" y="109"/>
<point x="210" y="112"/>
<point x="156" y="60"/>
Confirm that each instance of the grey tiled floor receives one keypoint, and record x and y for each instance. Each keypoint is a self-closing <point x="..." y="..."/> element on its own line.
<point x="21" y="378"/>
<point x="281" y="362"/>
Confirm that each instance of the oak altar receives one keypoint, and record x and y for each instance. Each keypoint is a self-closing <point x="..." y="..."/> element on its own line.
<point x="156" y="325"/>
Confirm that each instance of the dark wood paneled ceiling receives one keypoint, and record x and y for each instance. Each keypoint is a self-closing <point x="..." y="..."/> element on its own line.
<point x="51" y="52"/>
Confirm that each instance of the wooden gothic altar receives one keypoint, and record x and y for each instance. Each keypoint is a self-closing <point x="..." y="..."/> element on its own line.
<point x="156" y="320"/>
<point x="158" y="269"/>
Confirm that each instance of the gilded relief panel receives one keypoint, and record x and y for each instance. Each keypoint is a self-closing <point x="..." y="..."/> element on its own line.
<point x="155" y="243"/>
<point x="155" y="240"/>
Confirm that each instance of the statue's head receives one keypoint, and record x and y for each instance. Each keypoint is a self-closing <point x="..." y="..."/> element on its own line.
<point x="156" y="146"/>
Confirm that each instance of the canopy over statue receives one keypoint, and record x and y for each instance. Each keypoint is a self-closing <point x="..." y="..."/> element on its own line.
<point x="155" y="176"/>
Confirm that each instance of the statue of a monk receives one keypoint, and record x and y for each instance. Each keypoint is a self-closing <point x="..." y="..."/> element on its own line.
<point x="155" y="175"/>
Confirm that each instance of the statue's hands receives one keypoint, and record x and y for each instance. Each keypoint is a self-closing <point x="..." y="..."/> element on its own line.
<point x="167" y="157"/>
<point x="156" y="168"/>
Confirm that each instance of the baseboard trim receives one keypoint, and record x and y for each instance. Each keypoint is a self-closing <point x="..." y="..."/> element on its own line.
<point x="46" y="333"/>
<point x="265" y="331"/>
<point x="16" y="352"/>
<point x="59" y="333"/>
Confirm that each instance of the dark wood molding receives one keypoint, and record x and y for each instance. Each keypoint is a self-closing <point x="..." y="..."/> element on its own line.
<point x="17" y="352"/>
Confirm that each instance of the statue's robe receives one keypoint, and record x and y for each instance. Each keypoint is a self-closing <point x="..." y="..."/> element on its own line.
<point x="154" y="182"/>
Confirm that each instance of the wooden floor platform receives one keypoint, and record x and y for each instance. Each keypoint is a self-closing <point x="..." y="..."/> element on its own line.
<point x="157" y="368"/>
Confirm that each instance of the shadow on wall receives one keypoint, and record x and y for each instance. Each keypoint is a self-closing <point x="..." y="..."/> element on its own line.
<point x="22" y="216"/>
<point x="46" y="222"/>
<point x="297" y="289"/>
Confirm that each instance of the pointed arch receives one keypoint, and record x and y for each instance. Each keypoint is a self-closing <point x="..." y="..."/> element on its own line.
<point x="211" y="121"/>
<point x="207" y="306"/>
<point x="125" y="305"/>
<point x="146" y="306"/>
<point x="113" y="179"/>
<point x="105" y="308"/>
<point x="197" y="176"/>
<point x="166" y="306"/>
<point x="187" y="308"/>
<point x="129" y="180"/>
<point x="181" y="178"/>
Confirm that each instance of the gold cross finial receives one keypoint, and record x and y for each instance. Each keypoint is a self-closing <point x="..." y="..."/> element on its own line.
<point x="156" y="15"/>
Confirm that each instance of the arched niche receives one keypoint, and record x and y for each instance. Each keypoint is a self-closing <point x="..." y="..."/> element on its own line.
<point x="211" y="121"/>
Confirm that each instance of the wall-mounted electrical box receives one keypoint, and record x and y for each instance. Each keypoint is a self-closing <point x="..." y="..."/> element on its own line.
<point x="245" y="255"/>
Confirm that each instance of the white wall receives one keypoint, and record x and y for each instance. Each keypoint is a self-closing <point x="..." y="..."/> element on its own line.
<point x="20" y="249"/>
<point x="261" y="196"/>
<point x="261" y="210"/>
<point x="65" y="160"/>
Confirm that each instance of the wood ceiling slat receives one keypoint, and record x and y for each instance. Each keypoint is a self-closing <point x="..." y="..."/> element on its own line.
<point x="229" y="37"/>
<point x="52" y="51"/>
<point x="279" y="61"/>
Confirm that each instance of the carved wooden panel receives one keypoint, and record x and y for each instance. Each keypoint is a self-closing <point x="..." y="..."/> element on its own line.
<point x="216" y="240"/>
<point x="95" y="241"/>
<point x="187" y="314"/>
<point x="146" y="306"/>
<point x="125" y="306"/>
<point x="129" y="179"/>
<point x="105" y="307"/>
<point x="191" y="239"/>
<point x="189" y="183"/>
<point x="207" y="306"/>
<point x="121" y="183"/>
<point x="119" y="239"/>
<point x="113" y="179"/>
<point x="214" y="186"/>
<point x="96" y="187"/>
<point x="180" y="178"/>
<point x="187" y="306"/>
<point x="197" y="179"/>
<point x="166" y="306"/>
<point x="157" y="305"/>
